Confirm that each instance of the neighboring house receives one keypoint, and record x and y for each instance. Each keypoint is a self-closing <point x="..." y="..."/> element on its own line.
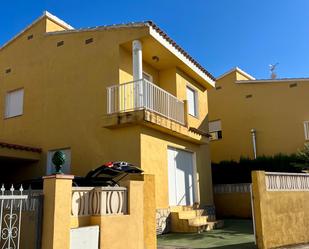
<point x="121" y="92"/>
<point x="274" y="110"/>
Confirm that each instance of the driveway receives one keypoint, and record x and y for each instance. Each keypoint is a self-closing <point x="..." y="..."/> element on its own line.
<point x="236" y="234"/>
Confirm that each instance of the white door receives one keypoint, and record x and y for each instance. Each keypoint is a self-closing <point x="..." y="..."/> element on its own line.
<point x="180" y="177"/>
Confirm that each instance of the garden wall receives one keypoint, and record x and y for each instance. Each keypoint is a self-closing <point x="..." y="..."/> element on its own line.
<point x="281" y="208"/>
<point x="233" y="200"/>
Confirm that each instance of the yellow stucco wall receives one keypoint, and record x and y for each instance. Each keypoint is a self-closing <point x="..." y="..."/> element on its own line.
<point x="281" y="217"/>
<point x="57" y="209"/>
<point x="233" y="205"/>
<point x="124" y="231"/>
<point x="65" y="100"/>
<point x="275" y="110"/>
<point x="154" y="160"/>
<point x="65" y="96"/>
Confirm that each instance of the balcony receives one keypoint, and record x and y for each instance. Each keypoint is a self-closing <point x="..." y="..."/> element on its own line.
<point x="144" y="95"/>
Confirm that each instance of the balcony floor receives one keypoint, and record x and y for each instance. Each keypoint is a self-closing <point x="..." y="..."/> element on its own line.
<point x="153" y="120"/>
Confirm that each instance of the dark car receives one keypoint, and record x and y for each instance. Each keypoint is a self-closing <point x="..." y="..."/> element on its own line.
<point x="109" y="174"/>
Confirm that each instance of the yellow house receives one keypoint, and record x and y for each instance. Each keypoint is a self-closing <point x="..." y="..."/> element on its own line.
<point x="122" y="92"/>
<point x="250" y="117"/>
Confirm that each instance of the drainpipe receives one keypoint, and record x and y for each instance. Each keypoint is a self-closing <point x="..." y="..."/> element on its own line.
<point x="253" y="134"/>
<point x="137" y="73"/>
<point x="137" y="60"/>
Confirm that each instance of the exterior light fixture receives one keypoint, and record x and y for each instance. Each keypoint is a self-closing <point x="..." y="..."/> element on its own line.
<point x="155" y="58"/>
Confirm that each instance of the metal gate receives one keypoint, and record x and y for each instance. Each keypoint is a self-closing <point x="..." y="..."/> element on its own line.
<point x="20" y="218"/>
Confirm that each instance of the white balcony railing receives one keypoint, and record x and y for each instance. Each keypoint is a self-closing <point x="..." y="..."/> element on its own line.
<point x="99" y="201"/>
<point x="143" y="94"/>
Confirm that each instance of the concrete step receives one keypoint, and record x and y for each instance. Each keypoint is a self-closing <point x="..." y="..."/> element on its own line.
<point x="181" y="208"/>
<point x="190" y="214"/>
<point x="187" y="220"/>
<point x="198" y="221"/>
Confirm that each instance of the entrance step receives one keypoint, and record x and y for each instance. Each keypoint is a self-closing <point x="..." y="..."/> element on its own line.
<point x="189" y="220"/>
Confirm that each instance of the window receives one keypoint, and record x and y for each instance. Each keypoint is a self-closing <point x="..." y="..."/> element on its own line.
<point x="147" y="76"/>
<point x="192" y="101"/>
<point x="215" y="130"/>
<point x="14" y="103"/>
<point x="306" y="128"/>
<point x="66" y="168"/>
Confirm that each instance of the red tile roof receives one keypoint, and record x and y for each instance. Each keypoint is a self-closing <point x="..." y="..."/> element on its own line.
<point x="20" y="147"/>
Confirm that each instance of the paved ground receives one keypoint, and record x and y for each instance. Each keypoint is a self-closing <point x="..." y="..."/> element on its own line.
<point x="236" y="234"/>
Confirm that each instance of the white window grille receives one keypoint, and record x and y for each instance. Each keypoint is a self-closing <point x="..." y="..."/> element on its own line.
<point x="14" y="103"/>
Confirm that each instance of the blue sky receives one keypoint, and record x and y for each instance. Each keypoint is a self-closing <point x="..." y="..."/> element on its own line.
<point x="220" y="34"/>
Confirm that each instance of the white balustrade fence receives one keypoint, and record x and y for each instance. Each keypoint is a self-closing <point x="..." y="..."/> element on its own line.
<point x="286" y="181"/>
<point x="99" y="201"/>
<point x="143" y="94"/>
<point x="232" y="188"/>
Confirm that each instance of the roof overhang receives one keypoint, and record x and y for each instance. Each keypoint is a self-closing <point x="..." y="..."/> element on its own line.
<point x="15" y="151"/>
<point x="177" y="51"/>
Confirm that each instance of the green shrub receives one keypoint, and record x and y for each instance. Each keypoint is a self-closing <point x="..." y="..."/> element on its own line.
<point x="240" y="172"/>
<point x="303" y="158"/>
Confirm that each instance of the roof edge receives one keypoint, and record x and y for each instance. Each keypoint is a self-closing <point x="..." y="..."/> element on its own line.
<point x="57" y="20"/>
<point x="237" y="69"/>
<point x="45" y="14"/>
<point x="283" y="80"/>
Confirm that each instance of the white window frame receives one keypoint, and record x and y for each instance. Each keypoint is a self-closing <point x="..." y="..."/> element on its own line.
<point x="306" y="130"/>
<point x="8" y="103"/>
<point x="148" y="75"/>
<point x="50" y="169"/>
<point x="196" y="114"/>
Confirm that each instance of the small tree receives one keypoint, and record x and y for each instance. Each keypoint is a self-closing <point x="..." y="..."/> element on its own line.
<point x="303" y="156"/>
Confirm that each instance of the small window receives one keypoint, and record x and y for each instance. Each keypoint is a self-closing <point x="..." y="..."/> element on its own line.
<point x="306" y="129"/>
<point x="192" y="101"/>
<point x="14" y="103"/>
<point x="66" y="168"/>
<point x="147" y="76"/>
<point x="215" y="130"/>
